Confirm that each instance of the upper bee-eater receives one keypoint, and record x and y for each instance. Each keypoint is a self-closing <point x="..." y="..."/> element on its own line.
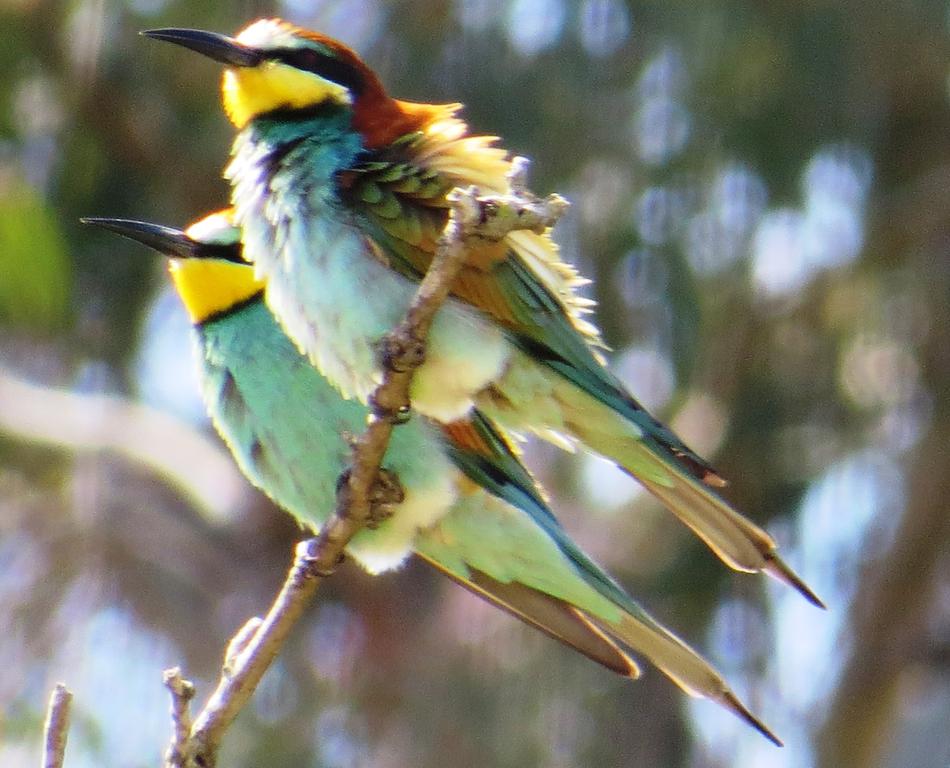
<point x="340" y="193"/>
<point x="469" y="507"/>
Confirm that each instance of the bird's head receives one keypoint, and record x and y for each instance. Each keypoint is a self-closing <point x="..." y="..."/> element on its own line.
<point x="277" y="68"/>
<point x="206" y="261"/>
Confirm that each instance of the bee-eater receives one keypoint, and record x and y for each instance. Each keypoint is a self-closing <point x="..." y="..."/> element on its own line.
<point x="340" y="193"/>
<point x="469" y="506"/>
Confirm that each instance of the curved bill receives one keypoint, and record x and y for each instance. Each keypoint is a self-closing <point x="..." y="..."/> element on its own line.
<point x="165" y="240"/>
<point x="221" y="48"/>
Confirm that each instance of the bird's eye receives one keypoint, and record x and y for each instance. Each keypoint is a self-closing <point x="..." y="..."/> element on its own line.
<point x="325" y="64"/>
<point x="307" y="58"/>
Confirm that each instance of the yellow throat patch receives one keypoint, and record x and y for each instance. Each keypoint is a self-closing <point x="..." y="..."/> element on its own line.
<point x="249" y="92"/>
<point x="210" y="287"/>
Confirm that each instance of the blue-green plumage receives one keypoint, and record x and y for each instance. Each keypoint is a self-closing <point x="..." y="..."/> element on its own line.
<point x="285" y="426"/>
<point x="333" y="291"/>
<point x="338" y="281"/>
<point x="280" y="420"/>
<point x="470" y="507"/>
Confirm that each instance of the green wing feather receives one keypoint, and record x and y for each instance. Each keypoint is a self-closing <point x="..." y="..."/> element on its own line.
<point x="403" y="207"/>
<point x="518" y="556"/>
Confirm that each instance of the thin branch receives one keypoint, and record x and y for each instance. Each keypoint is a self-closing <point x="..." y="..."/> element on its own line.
<point x="56" y="729"/>
<point x="244" y="669"/>
<point x="363" y="489"/>
<point x="182" y="692"/>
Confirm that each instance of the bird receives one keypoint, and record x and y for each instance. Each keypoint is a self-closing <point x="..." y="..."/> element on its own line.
<point x="467" y="505"/>
<point x="340" y="192"/>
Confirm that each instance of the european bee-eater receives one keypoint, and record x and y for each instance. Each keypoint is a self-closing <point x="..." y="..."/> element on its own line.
<point x="470" y="508"/>
<point x="340" y="193"/>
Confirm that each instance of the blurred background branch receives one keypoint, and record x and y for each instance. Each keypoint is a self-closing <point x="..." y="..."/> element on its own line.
<point x="193" y="462"/>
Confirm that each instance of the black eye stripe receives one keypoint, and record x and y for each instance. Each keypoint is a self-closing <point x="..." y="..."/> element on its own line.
<point x="222" y="252"/>
<point x="326" y="66"/>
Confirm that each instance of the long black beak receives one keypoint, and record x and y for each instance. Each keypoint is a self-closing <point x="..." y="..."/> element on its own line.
<point x="165" y="240"/>
<point x="221" y="48"/>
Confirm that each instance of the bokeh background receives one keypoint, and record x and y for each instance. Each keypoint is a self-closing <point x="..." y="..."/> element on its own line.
<point x="762" y="195"/>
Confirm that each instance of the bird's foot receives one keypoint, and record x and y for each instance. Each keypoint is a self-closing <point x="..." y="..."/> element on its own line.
<point x="384" y="495"/>
<point x="401" y="353"/>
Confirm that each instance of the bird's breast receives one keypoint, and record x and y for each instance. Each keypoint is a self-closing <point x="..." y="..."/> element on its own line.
<point x="329" y="284"/>
<point x="287" y="428"/>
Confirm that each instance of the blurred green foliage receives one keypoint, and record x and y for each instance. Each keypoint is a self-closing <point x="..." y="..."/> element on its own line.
<point x="34" y="261"/>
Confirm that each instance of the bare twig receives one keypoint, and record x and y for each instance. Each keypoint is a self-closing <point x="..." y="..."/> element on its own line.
<point x="250" y="653"/>
<point x="244" y="666"/>
<point x="56" y="729"/>
<point x="182" y="692"/>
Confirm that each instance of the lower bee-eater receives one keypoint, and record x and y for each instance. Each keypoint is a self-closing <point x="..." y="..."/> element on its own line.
<point x="469" y="507"/>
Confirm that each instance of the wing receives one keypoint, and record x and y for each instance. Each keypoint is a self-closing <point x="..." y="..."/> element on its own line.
<point x="556" y="618"/>
<point x="502" y="542"/>
<point x="399" y="192"/>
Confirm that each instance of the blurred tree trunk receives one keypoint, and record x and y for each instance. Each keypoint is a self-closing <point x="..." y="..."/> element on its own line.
<point x="890" y="618"/>
<point x="892" y="615"/>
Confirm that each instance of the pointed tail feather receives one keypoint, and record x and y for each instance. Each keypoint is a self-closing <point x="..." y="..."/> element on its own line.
<point x="779" y="570"/>
<point x="554" y="617"/>
<point x="644" y="449"/>
<point x="542" y="577"/>
<point x="736" y="540"/>
<point x="681" y="664"/>
<point x="510" y="550"/>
